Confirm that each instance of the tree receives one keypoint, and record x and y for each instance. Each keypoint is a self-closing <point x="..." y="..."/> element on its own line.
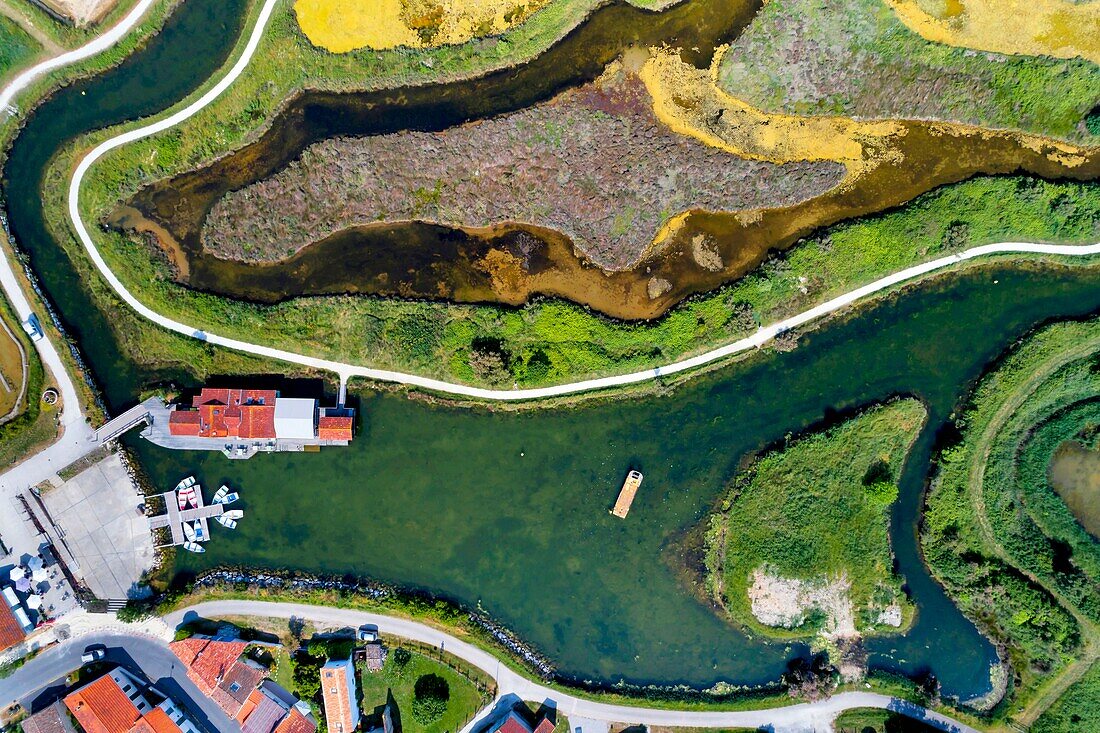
<point x="307" y="678"/>
<point x="430" y="696"/>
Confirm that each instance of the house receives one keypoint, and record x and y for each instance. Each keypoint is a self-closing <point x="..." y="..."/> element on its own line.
<point x="227" y="413"/>
<point x="338" y="690"/>
<point x="516" y="723"/>
<point x="48" y="720"/>
<point x="271" y="709"/>
<point x="216" y="668"/>
<point x="259" y="415"/>
<point x="14" y="622"/>
<point x="118" y="703"/>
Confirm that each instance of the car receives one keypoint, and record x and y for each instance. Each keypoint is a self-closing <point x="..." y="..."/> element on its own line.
<point x="94" y="653"/>
<point x="367" y="633"/>
<point x="33" y="328"/>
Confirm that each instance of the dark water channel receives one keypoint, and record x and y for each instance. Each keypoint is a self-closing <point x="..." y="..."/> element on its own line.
<point x="509" y="511"/>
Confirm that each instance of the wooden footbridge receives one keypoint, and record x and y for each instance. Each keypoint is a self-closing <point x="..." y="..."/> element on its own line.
<point x="175" y="518"/>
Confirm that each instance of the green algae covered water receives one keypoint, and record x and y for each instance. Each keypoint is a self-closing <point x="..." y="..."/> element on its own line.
<point x="509" y="510"/>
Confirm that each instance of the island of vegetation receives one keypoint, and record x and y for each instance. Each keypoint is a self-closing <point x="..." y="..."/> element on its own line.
<point x="800" y="544"/>
<point x="997" y="532"/>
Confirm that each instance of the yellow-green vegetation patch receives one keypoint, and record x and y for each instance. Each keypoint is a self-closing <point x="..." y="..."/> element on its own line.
<point x="995" y="532"/>
<point x="426" y="694"/>
<point x="345" y="25"/>
<point x="801" y="543"/>
<point x="855" y="58"/>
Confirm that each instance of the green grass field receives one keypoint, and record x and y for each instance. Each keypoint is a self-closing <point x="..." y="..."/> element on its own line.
<point x="816" y="509"/>
<point x="873" y="720"/>
<point x="396" y="682"/>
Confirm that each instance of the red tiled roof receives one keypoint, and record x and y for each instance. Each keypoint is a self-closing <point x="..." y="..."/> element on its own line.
<point x="337" y="699"/>
<point x="48" y="720"/>
<point x="159" y="722"/>
<point x="236" y="397"/>
<point x="261" y="714"/>
<point x="295" y="722"/>
<point x="207" y="660"/>
<point x="244" y="677"/>
<point x="334" y="428"/>
<point x="545" y="726"/>
<point x="513" y="724"/>
<point x="11" y="631"/>
<point x="102" y="707"/>
<point x="183" y="422"/>
<point x="227" y="413"/>
<point x="250" y="704"/>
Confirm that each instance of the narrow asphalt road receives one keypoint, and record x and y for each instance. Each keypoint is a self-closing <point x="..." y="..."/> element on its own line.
<point x="816" y="716"/>
<point x="41" y="680"/>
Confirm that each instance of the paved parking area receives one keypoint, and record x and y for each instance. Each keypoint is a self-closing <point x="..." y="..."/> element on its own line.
<point x="104" y="527"/>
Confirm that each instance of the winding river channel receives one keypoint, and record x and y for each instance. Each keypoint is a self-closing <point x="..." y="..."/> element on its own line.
<point x="509" y="510"/>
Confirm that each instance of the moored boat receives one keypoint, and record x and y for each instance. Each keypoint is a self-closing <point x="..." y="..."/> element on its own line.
<point x="226" y="522"/>
<point x="185" y="496"/>
<point x="234" y="514"/>
<point x="193" y="547"/>
<point x="626" y="494"/>
<point x="189" y="532"/>
<point x="220" y="494"/>
<point x="186" y="483"/>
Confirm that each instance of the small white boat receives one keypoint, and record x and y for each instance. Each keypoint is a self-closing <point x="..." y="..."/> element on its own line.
<point x="186" y="483"/>
<point x="226" y="522"/>
<point x="220" y="494"/>
<point x="189" y="532"/>
<point x="234" y="514"/>
<point x="200" y="536"/>
<point x="193" y="497"/>
<point x="231" y="497"/>
<point x="193" y="547"/>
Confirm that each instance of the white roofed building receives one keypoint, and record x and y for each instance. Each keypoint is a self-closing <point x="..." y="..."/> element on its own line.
<point x="295" y="418"/>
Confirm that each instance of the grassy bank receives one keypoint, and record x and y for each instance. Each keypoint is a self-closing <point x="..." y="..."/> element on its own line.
<point x="856" y="58"/>
<point x="17" y="48"/>
<point x="816" y="511"/>
<point x="1077" y="709"/>
<point x="874" y="720"/>
<point x="994" y="535"/>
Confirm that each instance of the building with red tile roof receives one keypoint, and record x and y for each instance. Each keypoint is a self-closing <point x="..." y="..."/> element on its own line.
<point x="11" y="629"/>
<point x="119" y="703"/>
<point x="216" y="668"/>
<point x="48" y="720"/>
<point x="516" y="723"/>
<point x="334" y="428"/>
<point x="338" y="691"/>
<point x="271" y="709"/>
<point x="228" y="413"/>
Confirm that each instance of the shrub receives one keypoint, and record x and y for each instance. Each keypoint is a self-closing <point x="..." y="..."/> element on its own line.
<point x="430" y="696"/>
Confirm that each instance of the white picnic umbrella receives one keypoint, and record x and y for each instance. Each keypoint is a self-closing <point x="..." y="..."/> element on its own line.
<point x="40" y="575"/>
<point x="34" y="602"/>
<point x="17" y="573"/>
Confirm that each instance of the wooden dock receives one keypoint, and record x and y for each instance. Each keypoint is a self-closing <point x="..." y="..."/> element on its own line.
<point x="175" y="518"/>
<point x="626" y="495"/>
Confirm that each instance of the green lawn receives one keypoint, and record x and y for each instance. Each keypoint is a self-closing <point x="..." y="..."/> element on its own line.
<point x="873" y="720"/>
<point x="398" y="681"/>
<point x="17" y="48"/>
<point x="815" y="509"/>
